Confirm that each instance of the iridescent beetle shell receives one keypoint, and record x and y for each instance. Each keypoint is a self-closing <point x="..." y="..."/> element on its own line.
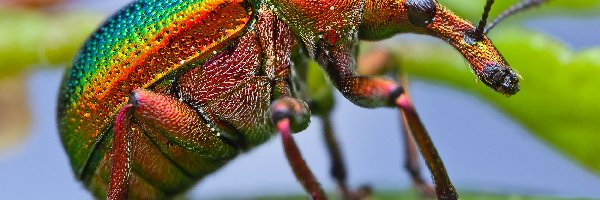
<point x="139" y="47"/>
<point x="164" y="45"/>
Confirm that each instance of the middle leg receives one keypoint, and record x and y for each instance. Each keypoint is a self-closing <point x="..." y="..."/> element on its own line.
<point x="321" y="106"/>
<point x="367" y="91"/>
<point x="378" y="61"/>
<point x="338" y="166"/>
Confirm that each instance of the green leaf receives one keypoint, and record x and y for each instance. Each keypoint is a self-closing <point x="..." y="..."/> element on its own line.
<point x="560" y="89"/>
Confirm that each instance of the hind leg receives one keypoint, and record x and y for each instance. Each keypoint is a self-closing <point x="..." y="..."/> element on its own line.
<point x="288" y="115"/>
<point x="180" y="124"/>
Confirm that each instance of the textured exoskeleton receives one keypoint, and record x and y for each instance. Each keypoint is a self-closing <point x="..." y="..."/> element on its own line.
<point x="168" y="91"/>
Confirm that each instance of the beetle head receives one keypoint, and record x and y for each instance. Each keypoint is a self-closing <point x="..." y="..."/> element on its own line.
<point x="486" y="61"/>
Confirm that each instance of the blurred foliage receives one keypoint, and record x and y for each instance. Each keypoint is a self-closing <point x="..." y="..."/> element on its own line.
<point x="30" y="3"/>
<point x="393" y="195"/>
<point x="14" y="112"/>
<point x="322" y="97"/>
<point x="30" y="38"/>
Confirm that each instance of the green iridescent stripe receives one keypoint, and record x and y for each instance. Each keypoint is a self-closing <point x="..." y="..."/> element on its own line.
<point x="118" y="38"/>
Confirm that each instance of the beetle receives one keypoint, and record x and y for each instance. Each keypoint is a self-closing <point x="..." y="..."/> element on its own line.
<point x="168" y="91"/>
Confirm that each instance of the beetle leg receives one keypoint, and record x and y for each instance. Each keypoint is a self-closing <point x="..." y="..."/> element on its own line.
<point x="443" y="186"/>
<point x="411" y="157"/>
<point x="338" y="166"/>
<point x="368" y="91"/>
<point x="119" y="177"/>
<point x="177" y="123"/>
<point x="377" y="61"/>
<point x="411" y="161"/>
<point x="286" y="113"/>
<point x="181" y="124"/>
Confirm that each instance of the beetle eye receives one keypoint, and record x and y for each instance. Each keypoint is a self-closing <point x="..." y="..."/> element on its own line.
<point x="420" y="12"/>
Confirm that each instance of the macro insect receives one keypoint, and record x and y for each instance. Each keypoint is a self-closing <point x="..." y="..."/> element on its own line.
<point x="168" y="91"/>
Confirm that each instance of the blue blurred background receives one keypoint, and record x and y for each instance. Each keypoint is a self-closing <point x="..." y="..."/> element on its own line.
<point x="483" y="149"/>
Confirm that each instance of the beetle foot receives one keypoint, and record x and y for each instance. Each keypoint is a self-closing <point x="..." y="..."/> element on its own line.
<point x="362" y="193"/>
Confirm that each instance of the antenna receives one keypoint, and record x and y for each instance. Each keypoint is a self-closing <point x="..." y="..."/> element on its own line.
<point x="479" y="32"/>
<point x="482" y="29"/>
<point x="523" y="5"/>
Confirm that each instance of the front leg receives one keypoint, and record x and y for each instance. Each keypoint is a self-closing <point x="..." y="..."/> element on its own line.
<point x="365" y="91"/>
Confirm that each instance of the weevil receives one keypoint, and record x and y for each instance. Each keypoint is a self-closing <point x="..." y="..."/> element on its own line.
<point x="166" y="92"/>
